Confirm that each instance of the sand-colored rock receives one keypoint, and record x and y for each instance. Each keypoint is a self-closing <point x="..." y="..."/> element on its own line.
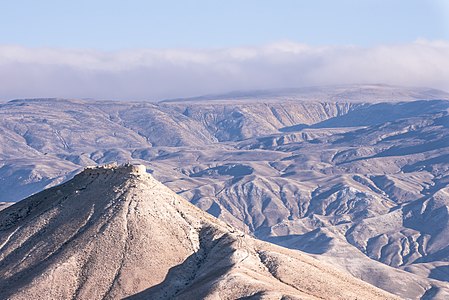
<point x="115" y="232"/>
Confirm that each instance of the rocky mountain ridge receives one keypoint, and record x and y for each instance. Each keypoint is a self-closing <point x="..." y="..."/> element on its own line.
<point x="114" y="232"/>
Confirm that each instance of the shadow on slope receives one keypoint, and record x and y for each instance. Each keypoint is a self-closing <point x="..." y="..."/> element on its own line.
<point x="440" y="273"/>
<point x="313" y="242"/>
<point x="199" y="270"/>
<point x="384" y="112"/>
<point x="426" y="164"/>
<point x="297" y="127"/>
<point x="235" y="170"/>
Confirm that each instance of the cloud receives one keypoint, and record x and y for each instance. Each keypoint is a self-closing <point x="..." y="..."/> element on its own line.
<point x="167" y="73"/>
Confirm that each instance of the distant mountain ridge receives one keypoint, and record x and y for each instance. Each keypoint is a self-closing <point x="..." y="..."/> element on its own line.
<point x="334" y="93"/>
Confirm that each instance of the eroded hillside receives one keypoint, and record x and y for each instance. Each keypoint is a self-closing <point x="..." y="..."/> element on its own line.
<point x="365" y="182"/>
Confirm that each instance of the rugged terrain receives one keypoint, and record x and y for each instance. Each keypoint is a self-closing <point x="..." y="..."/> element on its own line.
<point x="354" y="175"/>
<point x="115" y="232"/>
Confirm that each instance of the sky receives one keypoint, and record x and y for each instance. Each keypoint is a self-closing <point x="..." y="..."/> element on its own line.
<point x="168" y="49"/>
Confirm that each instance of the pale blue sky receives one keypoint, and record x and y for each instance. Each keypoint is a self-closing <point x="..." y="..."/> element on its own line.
<point x="136" y="49"/>
<point x="115" y="25"/>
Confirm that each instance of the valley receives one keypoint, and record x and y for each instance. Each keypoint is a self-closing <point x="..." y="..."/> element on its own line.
<point x="360" y="183"/>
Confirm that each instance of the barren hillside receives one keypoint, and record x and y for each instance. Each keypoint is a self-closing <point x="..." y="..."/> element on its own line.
<point x="114" y="232"/>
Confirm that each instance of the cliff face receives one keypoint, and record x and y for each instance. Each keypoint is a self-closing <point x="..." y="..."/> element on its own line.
<point x="114" y="232"/>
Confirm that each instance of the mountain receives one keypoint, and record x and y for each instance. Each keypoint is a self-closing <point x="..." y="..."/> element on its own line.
<point x="361" y="185"/>
<point x="364" y="93"/>
<point x="115" y="232"/>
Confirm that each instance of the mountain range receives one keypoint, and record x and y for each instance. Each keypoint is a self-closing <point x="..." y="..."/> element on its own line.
<point x="356" y="176"/>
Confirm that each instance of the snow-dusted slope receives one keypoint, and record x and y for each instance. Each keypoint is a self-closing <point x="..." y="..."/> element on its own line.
<point x="116" y="232"/>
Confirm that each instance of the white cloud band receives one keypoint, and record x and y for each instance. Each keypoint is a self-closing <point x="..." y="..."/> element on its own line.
<point x="156" y="74"/>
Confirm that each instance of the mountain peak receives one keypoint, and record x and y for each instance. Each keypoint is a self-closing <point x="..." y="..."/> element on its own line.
<point x="114" y="173"/>
<point x="114" y="231"/>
